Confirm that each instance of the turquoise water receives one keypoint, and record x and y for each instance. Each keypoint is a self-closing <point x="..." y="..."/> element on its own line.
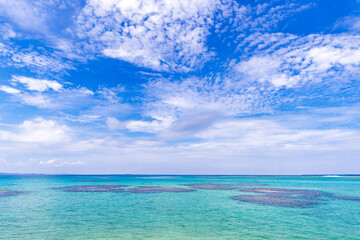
<point x="46" y="211"/>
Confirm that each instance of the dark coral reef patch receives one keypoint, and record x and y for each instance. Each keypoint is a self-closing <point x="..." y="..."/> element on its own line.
<point x="96" y="180"/>
<point x="157" y="189"/>
<point x="221" y="186"/>
<point x="249" y="184"/>
<point x="212" y="186"/>
<point x="275" y="201"/>
<point x="284" y="197"/>
<point x="347" y="198"/>
<point x="11" y="193"/>
<point x="289" y="193"/>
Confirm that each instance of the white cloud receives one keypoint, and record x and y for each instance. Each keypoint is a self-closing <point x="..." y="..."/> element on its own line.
<point x="23" y="13"/>
<point x="350" y="22"/>
<point x="153" y="126"/>
<point x="176" y="103"/>
<point x="38" y="130"/>
<point x="113" y="123"/>
<point x="268" y="15"/>
<point x="36" y="60"/>
<point x="58" y="163"/>
<point x="169" y="35"/>
<point x="34" y="15"/>
<point x="42" y="131"/>
<point x="273" y="135"/>
<point x="38" y="100"/>
<point x="9" y="90"/>
<point x="39" y="85"/>
<point x="230" y="145"/>
<point x="7" y="32"/>
<point x="162" y="35"/>
<point x="288" y="60"/>
<point x="146" y="126"/>
<point x="39" y="62"/>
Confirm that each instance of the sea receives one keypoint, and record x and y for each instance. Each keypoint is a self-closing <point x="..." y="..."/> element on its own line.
<point x="179" y="207"/>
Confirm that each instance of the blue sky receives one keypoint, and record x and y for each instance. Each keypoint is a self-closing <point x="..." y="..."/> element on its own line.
<point x="180" y="86"/>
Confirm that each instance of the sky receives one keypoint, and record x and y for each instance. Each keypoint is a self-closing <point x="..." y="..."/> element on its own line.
<point x="180" y="86"/>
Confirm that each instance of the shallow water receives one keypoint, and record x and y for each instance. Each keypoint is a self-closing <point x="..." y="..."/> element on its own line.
<point x="65" y="207"/>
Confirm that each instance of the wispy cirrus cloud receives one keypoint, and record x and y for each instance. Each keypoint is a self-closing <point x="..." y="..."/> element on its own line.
<point x="350" y="22"/>
<point x="39" y="61"/>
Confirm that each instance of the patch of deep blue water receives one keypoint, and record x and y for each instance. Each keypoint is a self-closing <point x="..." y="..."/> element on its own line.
<point x="179" y="207"/>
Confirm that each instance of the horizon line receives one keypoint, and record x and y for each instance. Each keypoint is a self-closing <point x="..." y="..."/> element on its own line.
<point x="142" y="174"/>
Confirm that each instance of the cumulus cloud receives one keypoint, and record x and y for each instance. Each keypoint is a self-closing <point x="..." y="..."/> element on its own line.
<point x="9" y="90"/>
<point x="39" y="85"/>
<point x="162" y="35"/>
<point x="169" y="35"/>
<point x="38" y="130"/>
<point x="37" y="100"/>
<point x="59" y="163"/>
<point x="50" y="94"/>
<point x="146" y="126"/>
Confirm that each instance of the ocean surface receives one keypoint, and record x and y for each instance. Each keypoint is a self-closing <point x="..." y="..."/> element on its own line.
<point x="179" y="207"/>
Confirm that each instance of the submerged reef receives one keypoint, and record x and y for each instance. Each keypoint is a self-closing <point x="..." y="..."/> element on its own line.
<point x="347" y="198"/>
<point x="221" y="186"/>
<point x="92" y="188"/>
<point x="249" y="184"/>
<point x="10" y="193"/>
<point x="289" y="193"/>
<point x="284" y="197"/>
<point x="275" y="201"/>
<point x="157" y="189"/>
<point x="96" y="180"/>
<point x="212" y="186"/>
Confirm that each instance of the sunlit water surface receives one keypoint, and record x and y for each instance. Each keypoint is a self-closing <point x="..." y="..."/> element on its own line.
<point x="53" y="207"/>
